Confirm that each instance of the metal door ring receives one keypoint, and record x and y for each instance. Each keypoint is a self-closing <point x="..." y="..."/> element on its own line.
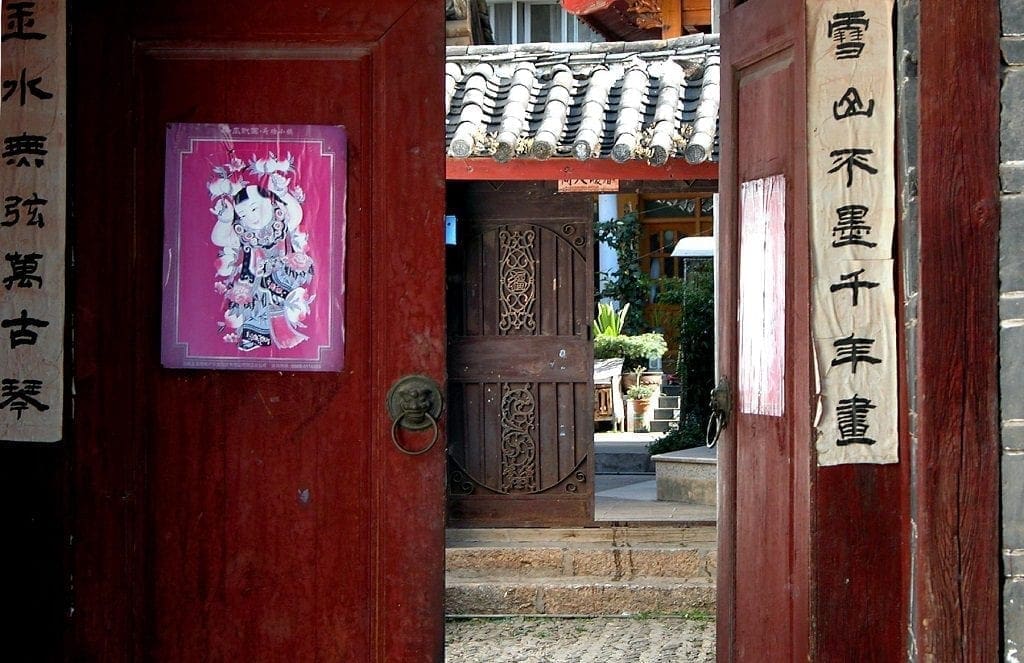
<point x="398" y="445"/>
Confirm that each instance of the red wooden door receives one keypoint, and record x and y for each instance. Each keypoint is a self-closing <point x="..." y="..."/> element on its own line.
<point x="764" y="577"/>
<point x="242" y="515"/>
<point x="519" y="308"/>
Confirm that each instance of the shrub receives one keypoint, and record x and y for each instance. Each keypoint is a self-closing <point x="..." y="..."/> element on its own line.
<point x="634" y="349"/>
<point x="696" y="364"/>
<point x="690" y="434"/>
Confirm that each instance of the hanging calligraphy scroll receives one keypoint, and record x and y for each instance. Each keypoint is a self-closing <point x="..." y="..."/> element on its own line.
<point x="254" y="228"/>
<point x="852" y="207"/>
<point x="33" y="122"/>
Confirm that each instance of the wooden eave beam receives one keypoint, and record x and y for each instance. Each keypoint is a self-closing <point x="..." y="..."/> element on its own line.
<point x="485" y="168"/>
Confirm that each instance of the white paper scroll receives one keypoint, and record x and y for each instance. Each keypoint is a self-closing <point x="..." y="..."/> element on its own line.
<point x="851" y="115"/>
<point x="33" y="166"/>
<point x="762" y="297"/>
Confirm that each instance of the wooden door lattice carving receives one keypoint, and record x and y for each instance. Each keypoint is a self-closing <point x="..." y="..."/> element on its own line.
<point x="518" y="446"/>
<point x="518" y="283"/>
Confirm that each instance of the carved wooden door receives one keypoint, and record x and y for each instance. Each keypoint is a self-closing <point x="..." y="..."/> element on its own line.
<point x="257" y="515"/>
<point x="520" y="364"/>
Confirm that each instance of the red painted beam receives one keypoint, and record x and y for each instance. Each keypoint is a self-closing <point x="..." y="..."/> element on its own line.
<point x="610" y="18"/>
<point x="578" y="7"/>
<point x="485" y="168"/>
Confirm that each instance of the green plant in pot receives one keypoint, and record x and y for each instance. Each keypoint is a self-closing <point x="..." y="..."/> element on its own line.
<point x="641" y="391"/>
<point x="609" y="322"/>
<point x="634" y="349"/>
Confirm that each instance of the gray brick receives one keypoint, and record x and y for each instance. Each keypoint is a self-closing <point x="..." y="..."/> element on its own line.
<point x="1011" y="122"/>
<point x="1011" y="308"/>
<point x="1013" y="16"/>
<point x="1013" y="617"/>
<point x="1013" y="438"/>
<point x="1013" y="501"/>
<point x="1011" y="176"/>
<point x="1013" y="50"/>
<point x="1011" y="372"/>
<point x="1013" y="564"/>
<point x="1011" y="243"/>
<point x="907" y="22"/>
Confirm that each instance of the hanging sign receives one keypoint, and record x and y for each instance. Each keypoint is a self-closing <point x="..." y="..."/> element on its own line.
<point x="33" y="168"/>
<point x="851" y="137"/>
<point x="254" y="228"/>
<point x="595" y="186"/>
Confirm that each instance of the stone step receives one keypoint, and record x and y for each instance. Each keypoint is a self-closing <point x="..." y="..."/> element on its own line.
<point x="577" y="596"/>
<point x="580" y="571"/>
<point x="610" y="553"/>
<point x="669" y="402"/>
<point x="611" y="563"/>
<point x="579" y="536"/>
<point x="689" y="476"/>
<point x="623" y="462"/>
<point x="666" y="413"/>
<point x="671" y="390"/>
<point x="663" y="425"/>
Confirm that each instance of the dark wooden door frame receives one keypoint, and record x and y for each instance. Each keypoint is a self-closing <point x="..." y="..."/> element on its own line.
<point x="905" y="559"/>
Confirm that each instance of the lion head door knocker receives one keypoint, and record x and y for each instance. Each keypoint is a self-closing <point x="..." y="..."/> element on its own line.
<point x="414" y="403"/>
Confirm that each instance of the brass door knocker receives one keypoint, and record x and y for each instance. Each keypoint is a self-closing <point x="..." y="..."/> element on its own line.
<point x="414" y="403"/>
<point x="721" y="405"/>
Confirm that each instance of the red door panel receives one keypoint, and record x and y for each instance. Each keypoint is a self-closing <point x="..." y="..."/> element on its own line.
<point x="764" y="579"/>
<point x="257" y="515"/>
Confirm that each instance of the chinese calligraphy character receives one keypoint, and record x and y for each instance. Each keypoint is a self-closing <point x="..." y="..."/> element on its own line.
<point x="23" y="270"/>
<point x="850" y="104"/>
<point x="20" y="332"/>
<point x="19" y="20"/>
<point x="851" y="227"/>
<point x="20" y="398"/>
<point x="851" y="158"/>
<point x="25" y="87"/>
<point x="853" y="282"/>
<point x="21" y="145"/>
<point x="852" y="351"/>
<point x="12" y="213"/>
<point x="847" y="30"/>
<point x="852" y="416"/>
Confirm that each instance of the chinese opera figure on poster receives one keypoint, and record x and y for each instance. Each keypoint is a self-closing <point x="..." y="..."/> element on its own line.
<point x="254" y="247"/>
<point x="262" y="270"/>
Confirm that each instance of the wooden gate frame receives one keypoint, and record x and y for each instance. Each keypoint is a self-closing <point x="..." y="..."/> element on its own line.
<point x="955" y="595"/>
<point x="904" y="559"/>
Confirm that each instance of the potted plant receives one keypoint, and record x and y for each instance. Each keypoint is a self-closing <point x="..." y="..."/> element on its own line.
<point x="640" y="394"/>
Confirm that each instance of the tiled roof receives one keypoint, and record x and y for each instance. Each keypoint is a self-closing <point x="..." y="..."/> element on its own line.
<point x="649" y="100"/>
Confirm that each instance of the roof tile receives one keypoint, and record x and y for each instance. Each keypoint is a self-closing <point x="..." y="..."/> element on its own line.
<point x="653" y="100"/>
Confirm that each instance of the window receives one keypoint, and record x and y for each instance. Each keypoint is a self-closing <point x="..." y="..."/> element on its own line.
<point x="665" y="220"/>
<point x="531" y="21"/>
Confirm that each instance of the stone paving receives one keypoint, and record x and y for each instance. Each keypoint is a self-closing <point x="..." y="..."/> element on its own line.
<point x="639" y="639"/>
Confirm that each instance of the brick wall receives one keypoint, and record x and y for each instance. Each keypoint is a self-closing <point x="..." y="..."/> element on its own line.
<point x="1011" y="327"/>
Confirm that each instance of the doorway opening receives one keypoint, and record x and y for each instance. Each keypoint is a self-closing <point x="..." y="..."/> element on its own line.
<point x="540" y="520"/>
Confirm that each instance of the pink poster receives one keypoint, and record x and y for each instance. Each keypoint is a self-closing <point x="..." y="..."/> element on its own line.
<point x="254" y="247"/>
